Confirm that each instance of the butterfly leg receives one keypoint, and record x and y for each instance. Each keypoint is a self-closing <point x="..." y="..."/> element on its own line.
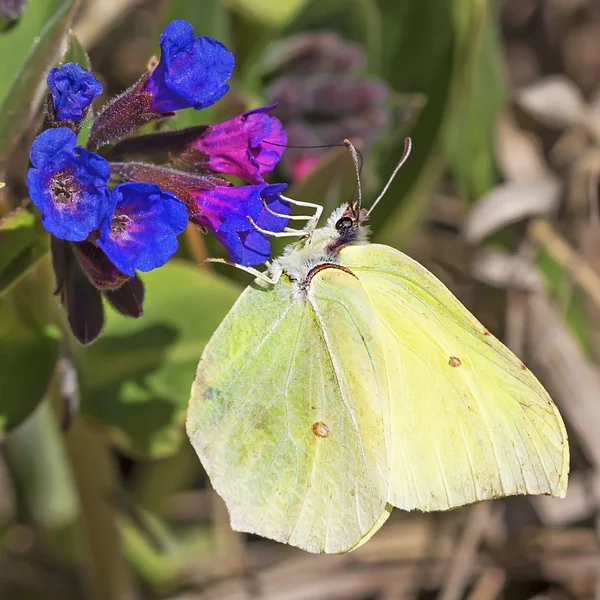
<point x="291" y="217"/>
<point x="317" y="207"/>
<point x="287" y="232"/>
<point x="255" y="272"/>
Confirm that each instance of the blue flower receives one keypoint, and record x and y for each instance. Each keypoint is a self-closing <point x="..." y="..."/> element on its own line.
<point x="141" y="230"/>
<point x="247" y="146"/>
<point x="192" y="70"/>
<point x="68" y="184"/>
<point x="224" y="211"/>
<point x="73" y="89"/>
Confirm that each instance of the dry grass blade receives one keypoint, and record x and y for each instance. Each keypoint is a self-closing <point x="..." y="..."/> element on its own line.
<point x="519" y="153"/>
<point x="98" y="17"/>
<point x="489" y="586"/>
<point x="581" y="502"/>
<point x="511" y="203"/>
<point x="230" y="544"/>
<point x="501" y="269"/>
<point x="553" y="101"/>
<point x="466" y="553"/>
<point x="572" y="379"/>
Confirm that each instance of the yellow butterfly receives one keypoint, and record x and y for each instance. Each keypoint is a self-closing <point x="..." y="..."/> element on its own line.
<point x="350" y="381"/>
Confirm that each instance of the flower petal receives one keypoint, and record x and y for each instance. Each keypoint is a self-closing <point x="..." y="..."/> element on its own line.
<point x="271" y="194"/>
<point x="270" y="151"/>
<point x="225" y="211"/>
<point x="68" y="185"/>
<point x="142" y="231"/>
<point x="247" y="248"/>
<point x="192" y="71"/>
<point x="73" y="89"/>
<point x="242" y="146"/>
<point x="49" y="143"/>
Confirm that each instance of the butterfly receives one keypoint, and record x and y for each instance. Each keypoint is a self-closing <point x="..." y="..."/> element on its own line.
<point x="349" y="381"/>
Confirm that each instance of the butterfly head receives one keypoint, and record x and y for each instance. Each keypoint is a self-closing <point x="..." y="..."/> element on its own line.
<point x="346" y="226"/>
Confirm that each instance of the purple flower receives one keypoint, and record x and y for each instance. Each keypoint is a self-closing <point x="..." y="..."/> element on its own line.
<point x="213" y="204"/>
<point x="140" y="232"/>
<point x="10" y="10"/>
<point x="192" y="70"/>
<point x="224" y="211"/>
<point x="73" y="89"/>
<point x="68" y="184"/>
<point x="246" y="146"/>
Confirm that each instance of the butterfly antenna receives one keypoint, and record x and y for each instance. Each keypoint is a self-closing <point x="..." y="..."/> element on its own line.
<point x="357" y="166"/>
<point x="407" y="148"/>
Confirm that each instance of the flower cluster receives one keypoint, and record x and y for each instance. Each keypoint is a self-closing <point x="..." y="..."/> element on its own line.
<point x="103" y="233"/>
<point x="322" y="97"/>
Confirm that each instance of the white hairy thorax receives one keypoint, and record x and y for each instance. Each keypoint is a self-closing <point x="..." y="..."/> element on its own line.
<point x="317" y="247"/>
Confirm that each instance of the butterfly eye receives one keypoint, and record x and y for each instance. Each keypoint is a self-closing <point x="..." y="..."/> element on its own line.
<point x="344" y="224"/>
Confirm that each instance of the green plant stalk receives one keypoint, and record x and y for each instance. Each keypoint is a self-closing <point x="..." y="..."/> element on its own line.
<point x="39" y="469"/>
<point x="105" y="569"/>
<point x="374" y="34"/>
<point x="160" y="480"/>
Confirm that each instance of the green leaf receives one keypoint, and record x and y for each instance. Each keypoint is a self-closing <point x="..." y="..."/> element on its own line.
<point x="27" y="52"/>
<point x="75" y="52"/>
<point x="428" y="48"/>
<point x="271" y="13"/>
<point x="136" y="379"/>
<point x="28" y="355"/>
<point x="357" y="20"/>
<point x="209" y="17"/>
<point x="569" y="301"/>
<point x="469" y="143"/>
<point x="23" y="242"/>
<point x="15" y="45"/>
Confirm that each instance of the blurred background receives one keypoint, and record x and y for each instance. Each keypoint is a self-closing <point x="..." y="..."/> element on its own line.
<point x="101" y="496"/>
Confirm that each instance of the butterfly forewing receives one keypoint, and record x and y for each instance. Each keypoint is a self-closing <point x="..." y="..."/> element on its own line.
<point x="283" y="427"/>
<point x="468" y="420"/>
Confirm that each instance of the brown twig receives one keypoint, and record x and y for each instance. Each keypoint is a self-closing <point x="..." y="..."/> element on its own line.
<point x="99" y="17"/>
<point x="466" y="553"/>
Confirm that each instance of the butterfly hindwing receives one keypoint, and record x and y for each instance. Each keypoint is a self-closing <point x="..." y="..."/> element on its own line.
<point x="468" y="420"/>
<point x="291" y="440"/>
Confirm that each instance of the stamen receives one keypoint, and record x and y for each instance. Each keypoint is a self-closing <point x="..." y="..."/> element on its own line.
<point x="119" y="223"/>
<point x="63" y="187"/>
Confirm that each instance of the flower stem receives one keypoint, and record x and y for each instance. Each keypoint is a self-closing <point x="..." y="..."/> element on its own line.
<point x="106" y="572"/>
